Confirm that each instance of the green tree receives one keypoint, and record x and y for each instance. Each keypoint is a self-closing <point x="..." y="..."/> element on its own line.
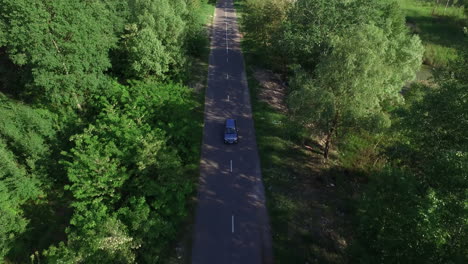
<point x="263" y="19"/>
<point x="107" y="241"/>
<point x="364" y="70"/>
<point x="421" y="214"/>
<point x="64" y="44"/>
<point x="125" y="168"/>
<point x="402" y="221"/>
<point x="12" y="222"/>
<point x="306" y="33"/>
<point x="24" y="150"/>
<point x="196" y="36"/>
<point x="152" y="44"/>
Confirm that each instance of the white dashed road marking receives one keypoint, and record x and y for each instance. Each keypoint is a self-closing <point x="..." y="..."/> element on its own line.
<point x="232" y="224"/>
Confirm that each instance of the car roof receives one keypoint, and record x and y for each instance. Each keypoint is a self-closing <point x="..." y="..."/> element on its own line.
<point x="231" y="123"/>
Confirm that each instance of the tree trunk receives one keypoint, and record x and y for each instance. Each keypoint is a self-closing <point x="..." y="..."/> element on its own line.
<point x="78" y="105"/>
<point x="446" y="5"/>
<point x="435" y="6"/>
<point x="329" y="136"/>
<point x="327" y="144"/>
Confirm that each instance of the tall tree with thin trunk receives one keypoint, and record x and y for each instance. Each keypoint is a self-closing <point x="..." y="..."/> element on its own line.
<point x="366" y="68"/>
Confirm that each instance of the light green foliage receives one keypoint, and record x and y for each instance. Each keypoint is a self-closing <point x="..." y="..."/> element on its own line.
<point x="196" y="30"/>
<point x="308" y="103"/>
<point x="310" y="26"/>
<point x="262" y="19"/>
<point x="356" y="68"/>
<point x="64" y="43"/>
<point x="153" y="38"/>
<point x="306" y="32"/>
<point x="307" y="27"/>
<point x="366" y="66"/>
<point x="24" y="136"/>
<point x="107" y="242"/>
<point x="439" y="56"/>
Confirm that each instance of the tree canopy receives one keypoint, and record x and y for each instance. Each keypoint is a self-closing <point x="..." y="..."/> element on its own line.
<point x="24" y="151"/>
<point x="97" y="127"/>
<point x="357" y="67"/>
<point x="400" y="147"/>
<point x="420" y="214"/>
<point x="64" y="44"/>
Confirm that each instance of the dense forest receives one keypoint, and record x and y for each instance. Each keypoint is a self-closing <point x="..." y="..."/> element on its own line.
<point x="99" y="133"/>
<point x="394" y="151"/>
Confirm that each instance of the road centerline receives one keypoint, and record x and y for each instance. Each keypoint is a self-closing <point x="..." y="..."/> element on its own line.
<point x="220" y="191"/>
<point x="227" y="41"/>
<point x="232" y="224"/>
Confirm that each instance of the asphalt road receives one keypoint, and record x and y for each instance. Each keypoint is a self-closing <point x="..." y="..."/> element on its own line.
<point x="231" y="224"/>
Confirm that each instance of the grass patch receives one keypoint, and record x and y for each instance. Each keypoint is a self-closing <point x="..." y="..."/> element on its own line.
<point x="441" y="31"/>
<point x="303" y="210"/>
<point x="311" y="205"/>
<point x="437" y="55"/>
<point x="423" y="8"/>
<point x="306" y="221"/>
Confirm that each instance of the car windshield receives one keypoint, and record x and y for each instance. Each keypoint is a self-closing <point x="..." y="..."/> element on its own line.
<point x="230" y="130"/>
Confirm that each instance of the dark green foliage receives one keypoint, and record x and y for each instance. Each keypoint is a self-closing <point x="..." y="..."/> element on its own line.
<point x="360" y="150"/>
<point x="24" y="145"/>
<point x="12" y="222"/>
<point x="126" y="169"/>
<point x="403" y="218"/>
<point x="64" y="44"/>
<point x="420" y="214"/>
<point x="129" y="152"/>
<point x="395" y="221"/>
<point x="440" y="118"/>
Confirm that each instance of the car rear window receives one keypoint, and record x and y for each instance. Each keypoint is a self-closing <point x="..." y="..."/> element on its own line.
<point x="230" y="130"/>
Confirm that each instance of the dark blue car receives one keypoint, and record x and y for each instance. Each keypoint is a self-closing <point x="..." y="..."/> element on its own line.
<point x="230" y="132"/>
